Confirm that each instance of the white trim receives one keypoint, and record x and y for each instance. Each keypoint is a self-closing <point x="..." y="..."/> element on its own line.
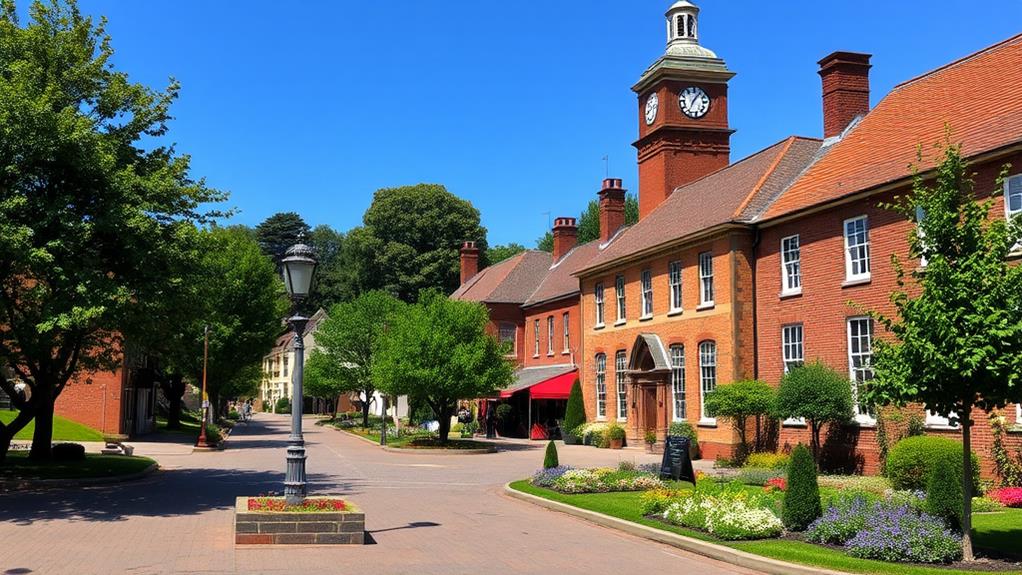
<point x="705" y="377"/>
<point x="646" y="291"/>
<point x="796" y="263"/>
<point x="705" y="280"/>
<point x="535" y="334"/>
<point x="933" y="420"/>
<point x="674" y="271"/>
<point x="851" y="276"/>
<point x="620" y="301"/>
<point x="598" y="299"/>
<point x="675" y="388"/>
<point x="550" y="335"/>
<point x="620" y="365"/>
<point x="861" y="417"/>
<point x="1013" y="181"/>
<point x="1018" y="413"/>
<point x="566" y="320"/>
<point x="601" y="377"/>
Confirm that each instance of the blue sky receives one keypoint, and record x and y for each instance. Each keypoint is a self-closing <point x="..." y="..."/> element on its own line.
<point x="312" y="106"/>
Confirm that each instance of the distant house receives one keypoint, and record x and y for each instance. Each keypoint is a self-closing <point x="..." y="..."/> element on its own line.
<point x="278" y="364"/>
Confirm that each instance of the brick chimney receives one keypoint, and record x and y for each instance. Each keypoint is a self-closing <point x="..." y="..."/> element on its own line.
<point x="845" y="90"/>
<point x="612" y="208"/>
<point x="469" y="261"/>
<point x="565" y="236"/>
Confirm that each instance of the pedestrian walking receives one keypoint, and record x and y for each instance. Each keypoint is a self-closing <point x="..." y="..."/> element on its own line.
<point x="491" y="422"/>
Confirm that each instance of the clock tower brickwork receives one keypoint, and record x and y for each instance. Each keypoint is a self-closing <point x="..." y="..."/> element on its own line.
<point x="677" y="145"/>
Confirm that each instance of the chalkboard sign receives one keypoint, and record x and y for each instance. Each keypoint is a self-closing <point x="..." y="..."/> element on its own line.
<point x="677" y="464"/>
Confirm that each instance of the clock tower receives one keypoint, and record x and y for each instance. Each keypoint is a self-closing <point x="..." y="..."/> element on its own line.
<point x="683" y="128"/>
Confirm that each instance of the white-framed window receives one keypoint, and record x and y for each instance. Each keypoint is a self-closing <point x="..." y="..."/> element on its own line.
<point x="791" y="265"/>
<point x="678" y="381"/>
<point x="1018" y="414"/>
<point x="707" y="375"/>
<point x="620" y="365"/>
<point x="793" y="348"/>
<point x="706" y="279"/>
<point x="535" y="333"/>
<point x="1013" y="196"/>
<point x="674" y="280"/>
<point x="860" y="356"/>
<point x="647" y="293"/>
<point x="550" y="335"/>
<point x="601" y="386"/>
<point x="598" y="297"/>
<point x="934" y="419"/>
<point x="506" y="335"/>
<point x="619" y="295"/>
<point x="285" y="364"/>
<point x="567" y="332"/>
<point x="856" y="249"/>
<point x="920" y="215"/>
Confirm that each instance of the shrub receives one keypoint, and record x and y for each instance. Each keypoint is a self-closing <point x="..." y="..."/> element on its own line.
<point x="504" y="412"/>
<point x="233" y="415"/>
<point x="910" y="460"/>
<point x="650" y="437"/>
<point x="546" y="477"/>
<point x="656" y="501"/>
<point x="626" y="465"/>
<point x="550" y="458"/>
<point x="685" y="429"/>
<point x="944" y="498"/>
<point x="985" y="505"/>
<point x="841" y="522"/>
<point x="574" y="413"/>
<point x="907" y="497"/>
<point x="213" y="434"/>
<point x="759" y="475"/>
<point x="266" y="405"/>
<point x="816" y="393"/>
<point x="802" y="499"/>
<point x="1008" y="496"/>
<point x="737" y="402"/>
<point x="599" y="438"/>
<point x="902" y="534"/>
<point x="616" y="432"/>
<point x="283" y="405"/>
<point x="768" y="460"/>
<point x="68" y="452"/>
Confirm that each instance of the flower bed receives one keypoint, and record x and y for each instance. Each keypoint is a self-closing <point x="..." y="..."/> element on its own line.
<point x="1007" y="496"/>
<point x="597" y="480"/>
<point x="307" y="506"/>
<point x="727" y="511"/>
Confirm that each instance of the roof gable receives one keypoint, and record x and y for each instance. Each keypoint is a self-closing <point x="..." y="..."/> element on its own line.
<point x="510" y="281"/>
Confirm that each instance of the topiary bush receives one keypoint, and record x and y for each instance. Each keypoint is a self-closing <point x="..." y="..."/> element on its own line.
<point x="944" y="498"/>
<point x="574" y="414"/>
<point x="910" y="461"/>
<point x="283" y="405"/>
<point x="737" y="402"/>
<point x="68" y="452"/>
<point x="550" y="459"/>
<point x="802" y="499"/>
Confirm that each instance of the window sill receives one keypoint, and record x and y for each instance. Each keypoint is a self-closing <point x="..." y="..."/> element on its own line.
<point x="1015" y="254"/>
<point x="620" y="322"/>
<point x="788" y="294"/>
<point x="705" y="306"/>
<point x="707" y="423"/>
<point x="675" y="312"/>
<point x="866" y="423"/>
<point x="566" y="352"/>
<point x="941" y="427"/>
<point x="625" y="420"/>
<point x="856" y="281"/>
<point x="549" y="354"/>
<point x="646" y="318"/>
<point x="604" y="418"/>
<point x="1017" y="428"/>
<point x="600" y="326"/>
<point x="536" y="356"/>
<point x="794" y="423"/>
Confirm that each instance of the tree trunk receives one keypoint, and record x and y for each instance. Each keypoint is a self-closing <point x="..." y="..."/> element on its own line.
<point x="42" y="439"/>
<point x="337" y="405"/>
<point x="365" y="409"/>
<point x="444" y="414"/>
<point x="175" y="391"/>
<point x="815" y="430"/>
<point x="7" y="432"/>
<point x="967" y="484"/>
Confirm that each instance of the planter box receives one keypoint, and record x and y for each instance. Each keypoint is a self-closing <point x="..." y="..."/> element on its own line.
<point x="287" y="528"/>
<point x="617" y="443"/>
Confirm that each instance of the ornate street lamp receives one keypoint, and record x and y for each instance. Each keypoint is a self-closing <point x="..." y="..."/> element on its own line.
<point x="299" y="265"/>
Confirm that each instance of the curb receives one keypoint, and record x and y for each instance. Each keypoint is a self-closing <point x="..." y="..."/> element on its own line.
<point x="704" y="548"/>
<point x="490" y="449"/>
<point x="23" y="484"/>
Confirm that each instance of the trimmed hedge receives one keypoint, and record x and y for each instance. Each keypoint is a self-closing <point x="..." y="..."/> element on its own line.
<point x="575" y="412"/>
<point x="68" y="452"/>
<point x="550" y="458"/>
<point x="910" y="461"/>
<point x="802" y="499"/>
<point x="944" y="497"/>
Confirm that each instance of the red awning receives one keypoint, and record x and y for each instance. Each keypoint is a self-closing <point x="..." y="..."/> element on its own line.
<point x="554" y="388"/>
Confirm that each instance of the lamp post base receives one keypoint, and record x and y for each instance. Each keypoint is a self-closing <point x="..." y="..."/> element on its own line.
<point x="294" y="478"/>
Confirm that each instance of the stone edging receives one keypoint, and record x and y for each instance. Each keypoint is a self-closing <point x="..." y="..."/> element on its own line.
<point x="21" y="484"/>
<point x="704" y="548"/>
<point x="490" y="449"/>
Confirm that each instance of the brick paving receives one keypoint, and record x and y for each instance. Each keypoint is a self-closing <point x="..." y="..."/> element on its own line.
<point x="425" y="514"/>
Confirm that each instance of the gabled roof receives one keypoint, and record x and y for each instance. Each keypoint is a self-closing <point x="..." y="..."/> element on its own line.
<point x="286" y="341"/>
<point x="735" y="194"/>
<point x="560" y="281"/>
<point x="510" y="281"/>
<point x="979" y="98"/>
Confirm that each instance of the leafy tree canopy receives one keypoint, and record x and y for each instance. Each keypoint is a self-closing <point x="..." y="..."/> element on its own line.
<point x="497" y="254"/>
<point x="279" y="232"/>
<point x="817" y="394"/>
<point x="438" y="352"/>
<point x="91" y="220"/>
<point x="739" y="401"/>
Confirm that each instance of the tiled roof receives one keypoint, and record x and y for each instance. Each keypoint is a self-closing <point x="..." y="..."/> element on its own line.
<point x="560" y="280"/>
<point x="285" y="341"/>
<point x="979" y="98"/>
<point x="510" y="281"/>
<point x="737" y="193"/>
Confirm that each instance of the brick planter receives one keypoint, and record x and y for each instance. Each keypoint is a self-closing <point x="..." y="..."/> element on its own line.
<point x="277" y="528"/>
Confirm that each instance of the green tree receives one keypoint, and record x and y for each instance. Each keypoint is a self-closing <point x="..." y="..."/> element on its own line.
<point x="817" y="394"/>
<point x="958" y="320"/>
<point x="438" y="352"/>
<point x="89" y="218"/>
<point x="802" y="497"/>
<point x="334" y="281"/>
<point x="574" y="413"/>
<point x="550" y="457"/>
<point x="410" y="240"/>
<point x="347" y="343"/>
<point x="279" y="232"/>
<point x="497" y="254"/>
<point x="738" y="402"/>
<point x="589" y="223"/>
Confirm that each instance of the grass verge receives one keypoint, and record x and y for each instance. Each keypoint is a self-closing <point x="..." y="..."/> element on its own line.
<point x="63" y="429"/>
<point x="411" y="442"/>
<point x="625" y="505"/>
<point x="19" y="466"/>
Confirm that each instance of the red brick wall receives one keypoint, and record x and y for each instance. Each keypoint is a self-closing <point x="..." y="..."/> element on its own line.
<point x="93" y="399"/>
<point x="556" y="310"/>
<point x="510" y="313"/>
<point x="823" y="307"/>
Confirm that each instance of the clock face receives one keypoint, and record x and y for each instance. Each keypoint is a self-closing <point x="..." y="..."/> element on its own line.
<point x="694" y="102"/>
<point x="652" y="105"/>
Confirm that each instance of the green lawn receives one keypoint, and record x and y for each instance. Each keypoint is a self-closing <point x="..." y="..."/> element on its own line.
<point x="63" y="429"/>
<point x="18" y="466"/>
<point x="189" y="425"/>
<point x="992" y="530"/>
<point x="454" y="440"/>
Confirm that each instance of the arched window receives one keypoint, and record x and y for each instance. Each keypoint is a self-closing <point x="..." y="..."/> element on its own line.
<point x="601" y="385"/>
<point x="678" y="381"/>
<point x="707" y="373"/>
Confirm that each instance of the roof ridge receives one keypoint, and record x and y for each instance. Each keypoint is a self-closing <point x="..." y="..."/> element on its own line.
<point x="962" y="60"/>
<point x="763" y="178"/>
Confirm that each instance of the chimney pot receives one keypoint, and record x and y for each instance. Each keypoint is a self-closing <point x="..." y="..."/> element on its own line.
<point x="565" y="234"/>
<point x="469" y="261"/>
<point x="612" y="208"/>
<point x="845" y="77"/>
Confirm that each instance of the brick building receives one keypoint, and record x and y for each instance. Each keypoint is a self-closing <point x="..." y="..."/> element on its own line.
<point x="119" y="402"/>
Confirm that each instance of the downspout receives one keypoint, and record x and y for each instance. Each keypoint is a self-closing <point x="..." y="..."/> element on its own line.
<point x="756" y="237"/>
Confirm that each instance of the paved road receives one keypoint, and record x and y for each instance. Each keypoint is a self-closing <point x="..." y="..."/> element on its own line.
<point x="427" y="514"/>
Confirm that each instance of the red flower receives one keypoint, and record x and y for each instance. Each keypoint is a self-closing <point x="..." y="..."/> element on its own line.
<point x="777" y="483"/>
<point x="1007" y="496"/>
